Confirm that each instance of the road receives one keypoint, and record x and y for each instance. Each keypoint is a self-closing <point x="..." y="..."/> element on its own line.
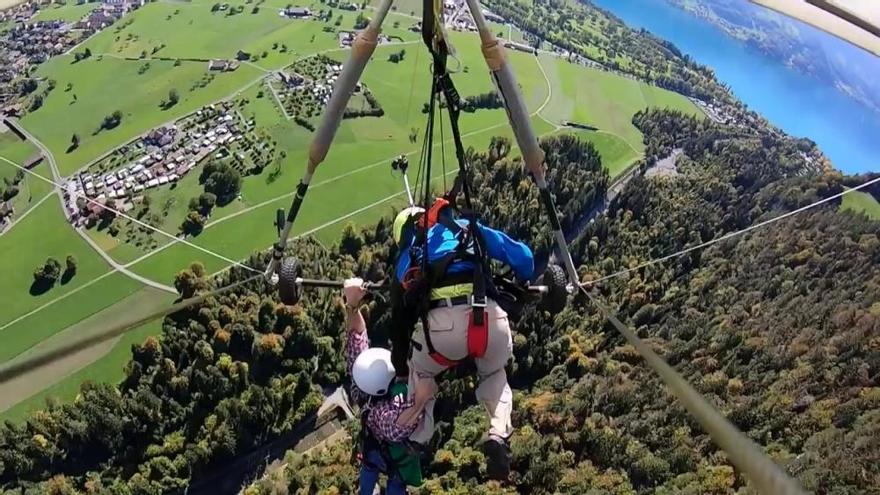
<point x="58" y="181"/>
<point x="121" y="268"/>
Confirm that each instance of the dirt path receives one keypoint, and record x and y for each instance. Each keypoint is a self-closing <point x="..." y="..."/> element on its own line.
<point x="129" y="309"/>
<point x="19" y="389"/>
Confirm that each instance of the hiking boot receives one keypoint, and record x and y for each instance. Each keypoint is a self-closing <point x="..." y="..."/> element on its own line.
<point x="497" y="458"/>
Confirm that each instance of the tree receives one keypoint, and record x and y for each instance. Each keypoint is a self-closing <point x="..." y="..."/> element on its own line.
<point x="207" y="201"/>
<point x="223" y="181"/>
<point x="48" y="273"/>
<point x="36" y="103"/>
<point x="361" y="21"/>
<point x="173" y="97"/>
<point x="397" y="57"/>
<point x="74" y="142"/>
<point x="112" y="121"/>
<point x="71" y="263"/>
<point x="193" y="223"/>
<point x="190" y="280"/>
<point x="27" y="86"/>
<point x="215" y="7"/>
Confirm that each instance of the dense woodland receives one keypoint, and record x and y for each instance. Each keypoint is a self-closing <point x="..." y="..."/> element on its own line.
<point x="779" y="328"/>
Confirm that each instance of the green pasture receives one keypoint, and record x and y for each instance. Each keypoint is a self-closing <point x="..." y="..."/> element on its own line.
<point x="42" y="234"/>
<point x="36" y="328"/>
<point x="604" y="100"/>
<point x="14" y="149"/>
<point x="67" y="13"/>
<point x="858" y="201"/>
<point x="108" y="368"/>
<point x="31" y="189"/>
<point x="169" y="30"/>
<point x="102" y="85"/>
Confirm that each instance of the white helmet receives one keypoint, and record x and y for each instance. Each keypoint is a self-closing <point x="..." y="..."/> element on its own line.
<point x="373" y="371"/>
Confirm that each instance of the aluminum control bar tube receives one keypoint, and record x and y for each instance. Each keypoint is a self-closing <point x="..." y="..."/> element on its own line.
<point x="520" y="122"/>
<point x="361" y="50"/>
<point x="339" y="284"/>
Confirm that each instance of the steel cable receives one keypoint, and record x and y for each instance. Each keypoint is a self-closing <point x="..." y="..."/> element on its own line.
<point x="13" y="370"/>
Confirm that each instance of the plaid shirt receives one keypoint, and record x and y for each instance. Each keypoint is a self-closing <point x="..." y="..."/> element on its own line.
<point x="384" y="411"/>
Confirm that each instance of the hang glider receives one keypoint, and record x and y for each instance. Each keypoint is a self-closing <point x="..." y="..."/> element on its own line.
<point x="855" y="21"/>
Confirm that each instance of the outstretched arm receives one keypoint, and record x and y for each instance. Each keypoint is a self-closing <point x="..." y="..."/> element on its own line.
<point x="357" y="340"/>
<point x="515" y="254"/>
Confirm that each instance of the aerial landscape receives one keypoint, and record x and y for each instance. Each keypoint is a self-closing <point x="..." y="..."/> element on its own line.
<point x="146" y="148"/>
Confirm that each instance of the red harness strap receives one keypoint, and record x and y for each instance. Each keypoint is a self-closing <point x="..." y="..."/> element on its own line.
<point x="477" y="336"/>
<point x="477" y="342"/>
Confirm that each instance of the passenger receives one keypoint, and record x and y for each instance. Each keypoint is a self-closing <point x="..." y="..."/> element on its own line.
<point x="383" y="445"/>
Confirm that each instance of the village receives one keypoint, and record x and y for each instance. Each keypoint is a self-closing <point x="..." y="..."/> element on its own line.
<point x="30" y="43"/>
<point x="303" y="89"/>
<point x="161" y="157"/>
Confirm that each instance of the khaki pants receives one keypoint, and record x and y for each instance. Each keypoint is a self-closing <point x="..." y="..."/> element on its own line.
<point x="448" y="327"/>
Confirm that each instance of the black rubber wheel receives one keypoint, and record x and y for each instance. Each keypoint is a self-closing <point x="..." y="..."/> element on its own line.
<point x="556" y="298"/>
<point x="288" y="290"/>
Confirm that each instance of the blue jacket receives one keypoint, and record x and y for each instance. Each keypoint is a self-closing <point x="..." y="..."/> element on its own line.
<point x="499" y="246"/>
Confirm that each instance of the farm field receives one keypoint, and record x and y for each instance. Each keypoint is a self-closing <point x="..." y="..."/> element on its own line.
<point x="604" y="100"/>
<point x="34" y="330"/>
<point x="42" y="234"/>
<point x="859" y="201"/>
<point x="353" y="185"/>
<point x="31" y="190"/>
<point x="66" y="13"/>
<point x="14" y="149"/>
<point x="101" y="85"/>
<point x="104" y="362"/>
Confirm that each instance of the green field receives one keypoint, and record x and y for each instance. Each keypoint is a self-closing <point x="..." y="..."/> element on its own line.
<point x="108" y="368"/>
<point x="42" y="234"/>
<point x="102" y="85"/>
<point x="67" y="13"/>
<point x="859" y="201"/>
<point x="31" y="189"/>
<point x="606" y="101"/>
<point x="14" y="149"/>
<point x="34" y="329"/>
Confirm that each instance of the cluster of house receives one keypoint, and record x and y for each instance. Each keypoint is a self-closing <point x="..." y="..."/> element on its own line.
<point x="107" y="13"/>
<point x="30" y="43"/>
<point x="346" y="38"/>
<point x="164" y="156"/>
<point x="457" y="16"/>
<point x="321" y="86"/>
<point x="295" y="12"/>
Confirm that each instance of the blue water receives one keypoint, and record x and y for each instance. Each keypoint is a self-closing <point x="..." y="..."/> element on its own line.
<point x="847" y="132"/>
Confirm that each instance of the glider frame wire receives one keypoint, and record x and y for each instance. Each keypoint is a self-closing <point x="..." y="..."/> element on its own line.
<point x="762" y="471"/>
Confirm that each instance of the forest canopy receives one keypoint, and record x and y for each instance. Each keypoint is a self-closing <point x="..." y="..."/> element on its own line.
<point x="778" y="328"/>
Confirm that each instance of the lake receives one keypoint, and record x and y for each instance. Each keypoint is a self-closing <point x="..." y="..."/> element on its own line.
<point x="847" y="132"/>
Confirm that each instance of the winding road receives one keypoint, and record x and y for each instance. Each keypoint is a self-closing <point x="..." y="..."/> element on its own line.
<point x="57" y="181"/>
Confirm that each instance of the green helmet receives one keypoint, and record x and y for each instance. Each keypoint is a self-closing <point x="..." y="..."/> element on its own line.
<point x="401" y="219"/>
